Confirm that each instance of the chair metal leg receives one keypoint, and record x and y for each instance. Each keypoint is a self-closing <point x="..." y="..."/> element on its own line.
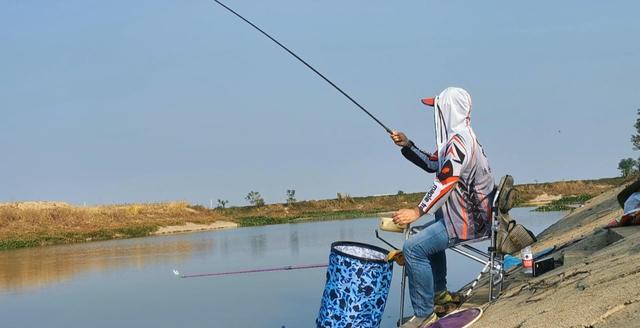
<point x="469" y="255"/>
<point x="403" y="281"/>
<point x="497" y="278"/>
<point x="492" y="255"/>
<point x="491" y="278"/>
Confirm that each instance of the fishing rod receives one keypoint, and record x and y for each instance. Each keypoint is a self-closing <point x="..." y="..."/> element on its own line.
<point x="284" y="268"/>
<point x="305" y="63"/>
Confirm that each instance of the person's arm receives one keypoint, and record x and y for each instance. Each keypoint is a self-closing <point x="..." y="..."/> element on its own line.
<point x="422" y="159"/>
<point x="447" y="178"/>
<point x="443" y="184"/>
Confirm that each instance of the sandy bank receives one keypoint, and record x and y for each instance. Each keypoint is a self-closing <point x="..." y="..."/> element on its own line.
<point x="191" y="227"/>
<point x="597" y="286"/>
<point x="543" y="199"/>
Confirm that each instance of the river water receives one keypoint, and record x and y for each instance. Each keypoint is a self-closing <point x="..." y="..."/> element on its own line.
<point x="129" y="283"/>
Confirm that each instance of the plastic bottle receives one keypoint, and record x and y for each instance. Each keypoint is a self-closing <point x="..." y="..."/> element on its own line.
<point x="527" y="260"/>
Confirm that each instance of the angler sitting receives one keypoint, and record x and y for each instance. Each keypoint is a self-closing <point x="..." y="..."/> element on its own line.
<point x="460" y="199"/>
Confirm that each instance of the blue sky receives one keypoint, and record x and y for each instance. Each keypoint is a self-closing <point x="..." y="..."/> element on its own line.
<point x="137" y="101"/>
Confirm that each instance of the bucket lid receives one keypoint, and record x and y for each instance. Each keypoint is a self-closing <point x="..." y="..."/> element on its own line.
<point x="360" y="251"/>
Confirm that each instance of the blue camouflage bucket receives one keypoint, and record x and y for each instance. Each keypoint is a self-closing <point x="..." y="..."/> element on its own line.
<point x="358" y="282"/>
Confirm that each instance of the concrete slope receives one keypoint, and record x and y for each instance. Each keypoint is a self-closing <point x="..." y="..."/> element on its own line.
<point x="597" y="286"/>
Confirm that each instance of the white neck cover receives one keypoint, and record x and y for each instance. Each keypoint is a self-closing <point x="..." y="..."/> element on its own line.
<point x="452" y="115"/>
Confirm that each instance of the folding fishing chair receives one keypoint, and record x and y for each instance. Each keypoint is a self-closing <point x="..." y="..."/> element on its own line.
<point x="492" y="259"/>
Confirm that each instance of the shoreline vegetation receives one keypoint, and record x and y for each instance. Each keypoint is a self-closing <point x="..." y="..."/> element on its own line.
<point x="32" y="224"/>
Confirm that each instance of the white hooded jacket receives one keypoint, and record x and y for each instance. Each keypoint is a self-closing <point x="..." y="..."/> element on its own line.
<point x="463" y="188"/>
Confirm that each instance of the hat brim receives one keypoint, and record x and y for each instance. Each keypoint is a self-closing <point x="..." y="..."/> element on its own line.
<point x="429" y="101"/>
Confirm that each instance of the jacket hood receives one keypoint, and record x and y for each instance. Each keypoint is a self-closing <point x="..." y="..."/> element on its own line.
<point x="452" y="115"/>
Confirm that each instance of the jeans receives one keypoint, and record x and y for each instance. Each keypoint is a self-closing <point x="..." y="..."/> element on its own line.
<point x="426" y="265"/>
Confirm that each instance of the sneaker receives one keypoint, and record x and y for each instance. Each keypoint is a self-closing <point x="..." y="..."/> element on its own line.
<point x="420" y="322"/>
<point x="444" y="309"/>
<point x="445" y="297"/>
<point x="446" y="302"/>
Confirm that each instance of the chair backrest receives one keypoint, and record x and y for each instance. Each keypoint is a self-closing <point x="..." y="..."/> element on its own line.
<point x="505" y="195"/>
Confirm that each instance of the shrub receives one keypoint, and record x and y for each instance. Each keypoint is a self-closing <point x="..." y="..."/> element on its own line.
<point x="222" y="203"/>
<point x="291" y="196"/>
<point x="254" y="198"/>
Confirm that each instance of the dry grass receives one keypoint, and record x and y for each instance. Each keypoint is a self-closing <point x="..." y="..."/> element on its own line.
<point x="35" y="224"/>
<point x="527" y="192"/>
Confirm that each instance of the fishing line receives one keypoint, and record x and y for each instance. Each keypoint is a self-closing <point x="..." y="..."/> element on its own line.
<point x="284" y="268"/>
<point x="305" y="63"/>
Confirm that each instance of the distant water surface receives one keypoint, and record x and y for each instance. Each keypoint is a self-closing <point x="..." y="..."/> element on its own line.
<point x="129" y="283"/>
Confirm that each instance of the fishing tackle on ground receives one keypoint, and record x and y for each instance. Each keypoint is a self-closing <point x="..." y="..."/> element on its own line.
<point x="306" y="64"/>
<point x="358" y="281"/>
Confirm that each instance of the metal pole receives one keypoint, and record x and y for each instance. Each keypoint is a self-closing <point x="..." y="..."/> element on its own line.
<point x="468" y="255"/>
<point x="492" y="253"/>
<point x="404" y="280"/>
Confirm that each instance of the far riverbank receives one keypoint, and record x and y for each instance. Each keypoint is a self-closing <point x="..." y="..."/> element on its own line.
<point x="31" y="224"/>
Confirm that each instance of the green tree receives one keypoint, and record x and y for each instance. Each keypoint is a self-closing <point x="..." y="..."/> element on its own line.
<point x="627" y="166"/>
<point x="254" y="198"/>
<point x="222" y="203"/>
<point x="344" y="197"/>
<point x="291" y="196"/>
<point x="400" y="192"/>
<point x="635" y="138"/>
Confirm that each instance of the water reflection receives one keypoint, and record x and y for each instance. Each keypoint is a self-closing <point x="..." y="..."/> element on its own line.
<point x="346" y="233"/>
<point x="294" y="241"/>
<point x="35" y="268"/>
<point x="258" y="244"/>
<point x="225" y="247"/>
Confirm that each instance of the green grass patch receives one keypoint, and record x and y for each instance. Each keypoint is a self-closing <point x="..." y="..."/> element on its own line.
<point x="252" y="221"/>
<point x="344" y="214"/>
<point x="75" y="237"/>
<point x="564" y="203"/>
<point x="17" y="243"/>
